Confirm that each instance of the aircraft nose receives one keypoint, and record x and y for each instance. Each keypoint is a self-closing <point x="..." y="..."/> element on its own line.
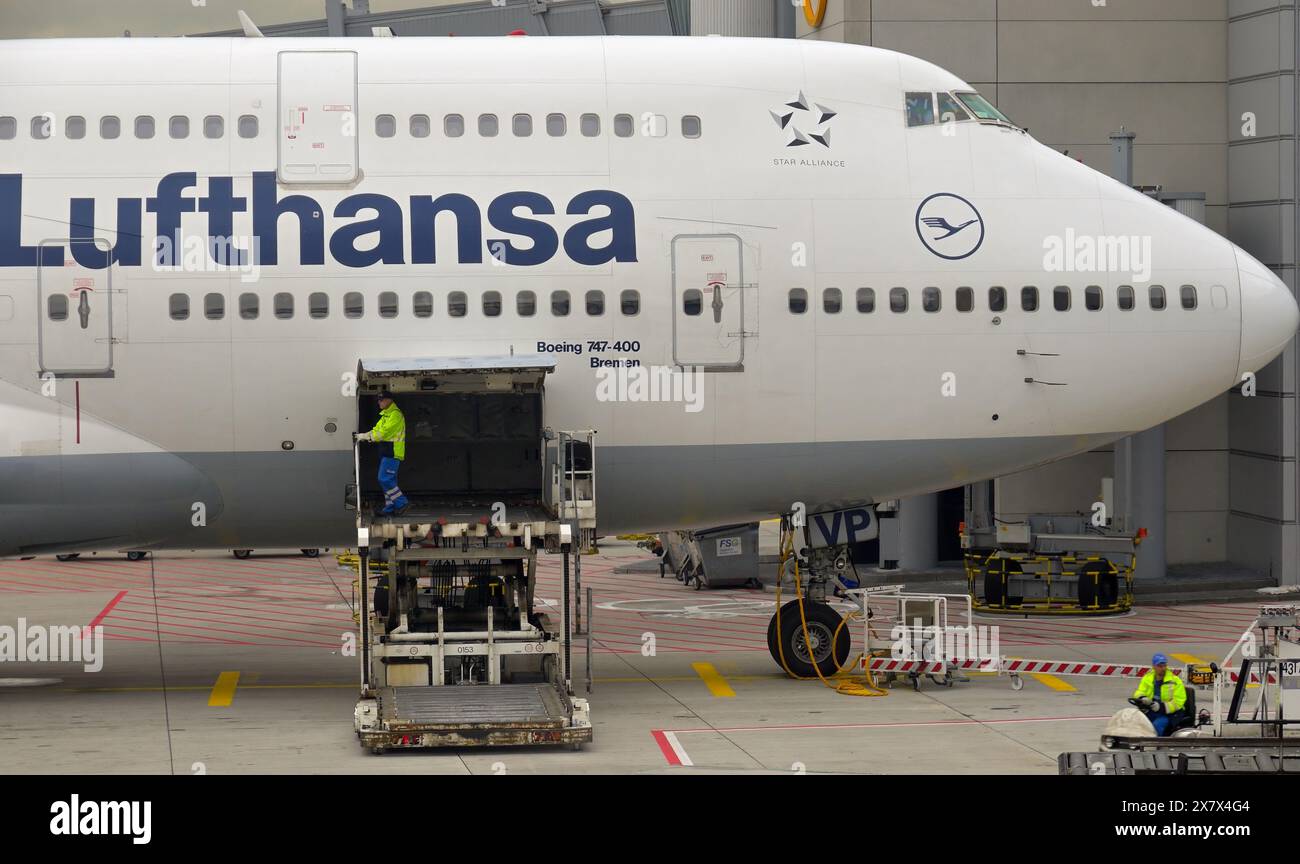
<point x="1269" y="314"/>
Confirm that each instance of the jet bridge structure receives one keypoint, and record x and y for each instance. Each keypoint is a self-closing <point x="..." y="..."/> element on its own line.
<point x="455" y="650"/>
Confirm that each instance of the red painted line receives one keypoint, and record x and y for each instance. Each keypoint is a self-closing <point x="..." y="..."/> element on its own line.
<point x="103" y="613"/>
<point x="78" y="391"/>
<point x="665" y="747"/>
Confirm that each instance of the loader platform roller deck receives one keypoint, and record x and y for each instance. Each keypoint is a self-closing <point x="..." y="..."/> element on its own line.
<point x="454" y="651"/>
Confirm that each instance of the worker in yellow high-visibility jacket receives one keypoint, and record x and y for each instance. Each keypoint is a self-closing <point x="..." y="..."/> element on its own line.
<point x="390" y="433"/>
<point x="1162" y="695"/>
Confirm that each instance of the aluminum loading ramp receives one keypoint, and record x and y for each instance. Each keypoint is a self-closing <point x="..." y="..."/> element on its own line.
<point x="454" y="652"/>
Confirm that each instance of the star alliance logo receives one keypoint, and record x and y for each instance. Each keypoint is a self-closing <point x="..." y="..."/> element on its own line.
<point x="804" y="121"/>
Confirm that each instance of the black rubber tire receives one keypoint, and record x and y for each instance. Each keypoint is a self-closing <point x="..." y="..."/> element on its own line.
<point x="136" y="556"/>
<point x="311" y="553"/>
<point x="71" y="556"/>
<point x="381" y="598"/>
<point x="1105" y="592"/>
<point x="993" y="585"/>
<point x="820" y="617"/>
<point x="242" y="554"/>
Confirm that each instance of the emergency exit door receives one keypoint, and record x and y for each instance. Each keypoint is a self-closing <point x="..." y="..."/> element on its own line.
<point x="709" y="302"/>
<point x="75" y="309"/>
<point x="318" y="119"/>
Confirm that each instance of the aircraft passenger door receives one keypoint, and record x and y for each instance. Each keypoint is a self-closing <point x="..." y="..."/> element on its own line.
<point x="709" y="302"/>
<point x="75" y="309"/>
<point x="318" y="119"/>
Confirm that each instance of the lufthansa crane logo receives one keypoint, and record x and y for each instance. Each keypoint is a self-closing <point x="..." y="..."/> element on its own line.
<point x="949" y="226"/>
<point x="814" y="12"/>
<point x="804" y="122"/>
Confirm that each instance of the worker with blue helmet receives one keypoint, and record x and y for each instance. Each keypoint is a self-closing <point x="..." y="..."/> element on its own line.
<point x="1161" y="696"/>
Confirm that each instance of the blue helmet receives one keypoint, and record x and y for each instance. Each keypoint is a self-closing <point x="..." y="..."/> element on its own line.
<point x="1159" y="660"/>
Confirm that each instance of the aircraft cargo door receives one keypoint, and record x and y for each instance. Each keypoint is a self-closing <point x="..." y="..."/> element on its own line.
<point x="708" y="302"/>
<point x="75" y="308"/>
<point x="318" y="117"/>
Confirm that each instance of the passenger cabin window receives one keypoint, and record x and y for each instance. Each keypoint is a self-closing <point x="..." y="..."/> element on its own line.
<point x="457" y="304"/>
<point x="75" y="127"/>
<point x="950" y="109"/>
<point x="965" y="300"/>
<point x="798" y="301"/>
<point x="492" y="304"/>
<point x="318" y="305"/>
<point x="1187" y="294"/>
<point x="832" y="301"/>
<point x="1125" y="294"/>
<point x="385" y="125"/>
<point x="420" y="126"/>
<point x="931" y="299"/>
<point x="1061" y="298"/>
<point x="693" y="302"/>
<point x="282" y="306"/>
<point x="691" y="126"/>
<point x="110" y="127"/>
<point x="1156" y="293"/>
<point x="629" y="302"/>
<point x="57" y="307"/>
<point x="8" y="128"/>
<point x="214" y="306"/>
<point x="623" y="125"/>
<point x="178" y="306"/>
<point x="422" y="304"/>
<point x="453" y="125"/>
<point x="41" y="124"/>
<point x="354" y="304"/>
<point x="144" y="126"/>
<point x="1029" y="298"/>
<point x="388" y="304"/>
<point x="898" y="300"/>
<point x="559" y="303"/>
<point x="658" y="126"/>
<point x="590" y="125"/>
<point x="1092" y="298"/>
<point x="866" y="300"/>
<point x="249" y="307"/>
<point x="595" y="303"/>
<point x="556" y="125"/>
<point x="920" y="109"/>
<point x="247" y="126"/>
<point x="522" y="125"/>
<point x="525" y="304"/>
<point x="214" y="126"/>
<point x="178" y="127"/>
<point x="488" y="126"/>
<point x="997" y="299"/>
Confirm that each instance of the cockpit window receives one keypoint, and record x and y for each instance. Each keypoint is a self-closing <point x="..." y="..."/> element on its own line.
<point x="982" y="109"/>
<point x="950" y="109"/>
<point x="920" y="109"/>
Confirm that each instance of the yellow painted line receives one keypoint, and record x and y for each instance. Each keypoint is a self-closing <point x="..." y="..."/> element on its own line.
<point x="223" y="692"/>
<point x="1055" y="683"/>
<point x="717" y="685"/>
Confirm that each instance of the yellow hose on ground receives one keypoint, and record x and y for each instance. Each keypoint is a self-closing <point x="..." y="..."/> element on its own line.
<point x="865" y="686"/>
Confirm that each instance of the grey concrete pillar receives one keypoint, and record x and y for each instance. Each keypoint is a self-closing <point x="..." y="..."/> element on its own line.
<point x="918" y="532"/>
<point x="1139" y="459"/>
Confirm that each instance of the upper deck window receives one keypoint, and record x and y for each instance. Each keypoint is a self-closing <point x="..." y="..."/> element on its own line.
<point x="982" y="108"/>
<point x="920" y="109"/>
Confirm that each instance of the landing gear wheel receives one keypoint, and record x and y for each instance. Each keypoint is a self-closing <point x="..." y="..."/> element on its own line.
<point x="243" y="554"/>
<point x="823" y="624"/>
<point x="136" y="556"/>
<point x="311" y="553"/>
<point x="71" y="556"/>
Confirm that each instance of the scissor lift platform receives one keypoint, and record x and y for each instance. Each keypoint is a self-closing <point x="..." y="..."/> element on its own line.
<point x="503" y="715"/>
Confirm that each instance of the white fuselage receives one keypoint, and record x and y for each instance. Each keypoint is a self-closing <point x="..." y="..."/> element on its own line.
<point x="112" y="430"/>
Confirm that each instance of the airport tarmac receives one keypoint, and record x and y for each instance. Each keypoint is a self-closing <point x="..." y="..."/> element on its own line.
<point x="221" y="666"/>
